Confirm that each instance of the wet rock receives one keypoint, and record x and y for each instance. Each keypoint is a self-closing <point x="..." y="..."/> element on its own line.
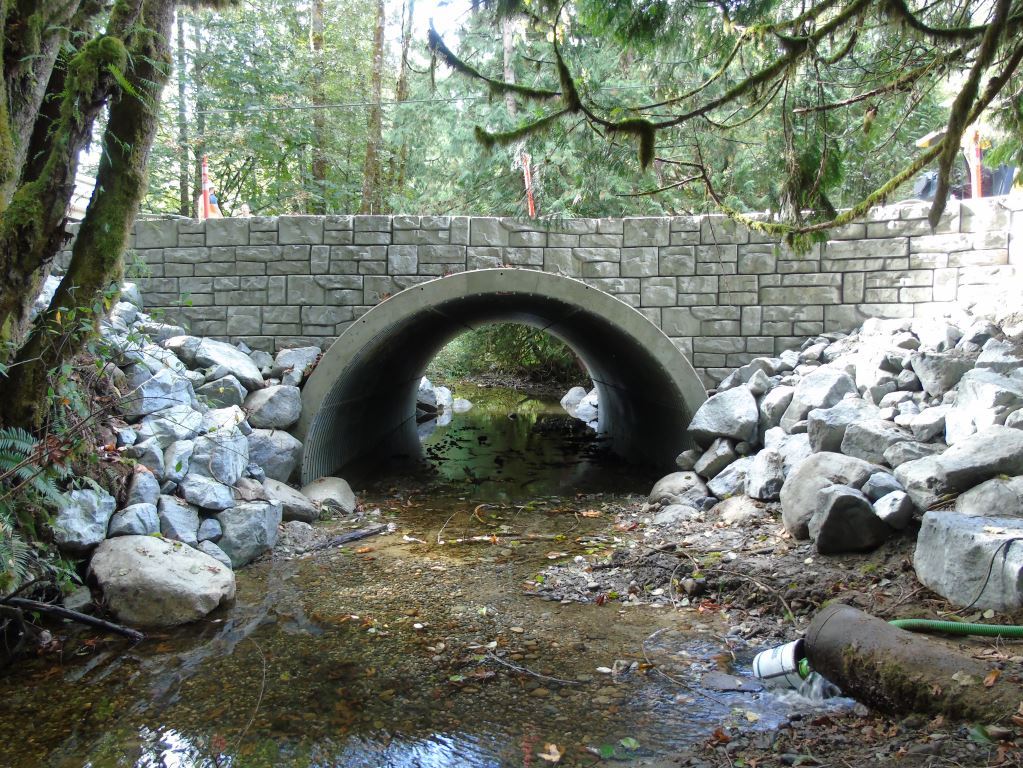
<point x="766" y="476"/>
<point x="801" y="488"/>
<point x="299" y="360"/>
<point x="996" y="451"/>
<point x="143" y="488"/>
<point x="426" y="395"/>
<point x="731" y="481"/>
<point x="205" y="492"/>
<point x="821" y="388"/>
<point x="135" y="520"/>
<point x="868" y="440"/>
<point x="224" y="392"/>
<point x="249" y="530"/>
<point x="275" y="407"/>
<point x="826" y="427"/>
<point x="82" y="522"/>
<point x="732" y="414"/>
<point x="588" y="409"/>
<point x="331" y="492"/>
<point x="461" y="405"/>
<point x="880" y="484"/>
<point x="176" y="460"/>
<point x="955" y="552"/>
<point x="208" y="547"/>
<point x="718" y="456"/>
<point x="178" y="521"/>
<point x="845" y="522"/>
<point x="685" y="488"/>
<point x="445" y="400"/>
<point x="221" y="455"/>
<point x="151" y="393"/>
<point x="1000" y="495"/>
<point x="941" y="371"/>
<point x="149" y="582"/>
<point x="277" y="452"/>
<point x="896" y="509"/>
<point x="572" y="398"/>
<point x="294" y="504"/>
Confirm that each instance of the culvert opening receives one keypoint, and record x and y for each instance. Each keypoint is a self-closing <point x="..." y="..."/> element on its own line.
<point x="359" y="404"/>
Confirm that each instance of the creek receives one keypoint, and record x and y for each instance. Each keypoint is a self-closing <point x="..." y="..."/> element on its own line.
<point x="423" y="647"/>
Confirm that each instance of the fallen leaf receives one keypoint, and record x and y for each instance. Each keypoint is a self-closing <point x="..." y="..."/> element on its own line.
<point x="591" y="513"/>
<point x="719" y="736"/>
<point x="551" y="753"/>
<point x="992" y="677"/>
<point x="363" y="550"/>
<point x="629" y="743"/>
<point x="963" y="679"/>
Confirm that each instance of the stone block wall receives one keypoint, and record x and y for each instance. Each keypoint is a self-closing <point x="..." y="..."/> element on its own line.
<point x="722" y="293"/>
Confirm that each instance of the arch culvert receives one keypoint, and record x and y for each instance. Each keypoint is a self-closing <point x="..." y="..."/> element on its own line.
<point x="360" y="400"/>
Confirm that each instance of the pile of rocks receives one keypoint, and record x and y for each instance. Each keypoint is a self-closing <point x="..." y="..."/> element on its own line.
<point x="860" y="436"/>
<point x="435" y="405"/>
<point x="206" y="423"/>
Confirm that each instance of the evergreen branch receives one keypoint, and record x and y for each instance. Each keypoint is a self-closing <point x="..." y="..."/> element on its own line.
<point x="498" y="87"/>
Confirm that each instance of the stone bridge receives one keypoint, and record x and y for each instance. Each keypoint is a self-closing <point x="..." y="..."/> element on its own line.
<point x="657" y="307"/>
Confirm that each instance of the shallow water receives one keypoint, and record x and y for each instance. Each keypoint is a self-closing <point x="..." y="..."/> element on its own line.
<point x="410" y="649"/>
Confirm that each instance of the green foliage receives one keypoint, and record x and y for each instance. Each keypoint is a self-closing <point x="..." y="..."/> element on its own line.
<point x="28" y="483"/>
<point x="509" y="349"/>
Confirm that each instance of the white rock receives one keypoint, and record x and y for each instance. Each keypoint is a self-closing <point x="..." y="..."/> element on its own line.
<point x="732" y="414"/>
<point x="821" y="388"/>
<point x="249" y="530"/>
<point x="295" y="505"/>
<point x="148" y="581"/>
<point x="82" y="521"/>
<point x="678" y="488"/>
<point x="276" y="407"/>
<point x="331" y="492"/>
<point x="896" y="509"/>
<point x="799" y="494"/>
<point x="277" y="452"/>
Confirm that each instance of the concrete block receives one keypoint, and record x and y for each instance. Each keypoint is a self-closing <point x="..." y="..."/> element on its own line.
<point x="300" y="230"/>
<point x="156" y="234"/>
<point x="677" y="260"/>
<point x="639" y="262"/>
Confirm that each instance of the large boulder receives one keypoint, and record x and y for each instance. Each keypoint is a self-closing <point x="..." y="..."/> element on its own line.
<point x="941" y="371"/>
<point x="298" y="361"/>
<point x="732" y="414"/>
<point x="151" y="582"/>
<point x="772" y="407"/>
<point x="221" y="455"/>
<point x="214" y="354"/>
<point x="276" y="407"/>
<point x="972" y="561"/>
<point x="996" y="451"/>
<point x="868" y="440"/>
<point x="895" y="508"/>
<point x="277" y="452"/>
<point x="900" y="453"/>
<point x="223" y="392"/>
<point x="150" y="393"/>
<point x="1000" y="495"/>
<point x="135" y="520"/>
<point x="718" y="456"/>
<point x="82" y="521"/>
<point x="844" y="521"/>
<point x="331" y="492"/>
<point x="179" y="422"/>
<point x="176" y="460"/>
<point x="821" y="388"/>
<point x="143" y="488"/>
<point x="572" y="398"/>
<point x="1001" y="356"/>
<point x="250" y="529"/>
<point x="205" y="492"/>
<point x="804" y="483"/>
<point x="678" y="488"/>
<point x="826" y="426"/>
<point x="295" y="505"/>
<point x="731" y="481"/>
<point x="988" y="396"/>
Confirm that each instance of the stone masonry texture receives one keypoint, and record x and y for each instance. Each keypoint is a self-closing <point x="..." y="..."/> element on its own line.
<point x="722" y="293"/>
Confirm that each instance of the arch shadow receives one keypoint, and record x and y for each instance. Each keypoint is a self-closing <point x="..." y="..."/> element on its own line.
<point x="361" y="397"/>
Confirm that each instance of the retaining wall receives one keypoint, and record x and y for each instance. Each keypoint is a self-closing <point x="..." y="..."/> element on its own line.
<point x="723" y="294"/>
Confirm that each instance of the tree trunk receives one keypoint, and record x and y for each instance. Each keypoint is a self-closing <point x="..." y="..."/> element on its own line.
<point x="402" y="88"/>
<point x="96" y="258"/>
<point x="200" y="101"/>
<point x="32" y="226"/>
<point x="508" y="40"/>
<point x="371" y="168"/>
<point x="184" y="168"/>
<point x="318" y="205"/>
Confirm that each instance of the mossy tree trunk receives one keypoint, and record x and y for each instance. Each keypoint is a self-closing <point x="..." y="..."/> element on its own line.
<point x="120" y="185"/>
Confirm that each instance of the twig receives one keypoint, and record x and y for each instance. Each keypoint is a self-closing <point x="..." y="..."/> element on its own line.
<point x="259" y="699"/>
<point x="524" y="671"/>
<point x="441" y="531"/>
<point x="495" y="539"/>
<point x="66" y="613"/>
<point x="344" y="538"/>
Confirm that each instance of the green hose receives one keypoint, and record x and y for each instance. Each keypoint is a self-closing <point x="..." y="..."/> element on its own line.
<point x="958" y="628"/>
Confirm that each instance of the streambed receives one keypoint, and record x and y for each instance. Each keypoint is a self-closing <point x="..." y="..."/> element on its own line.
<point x="424" y="647"/>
